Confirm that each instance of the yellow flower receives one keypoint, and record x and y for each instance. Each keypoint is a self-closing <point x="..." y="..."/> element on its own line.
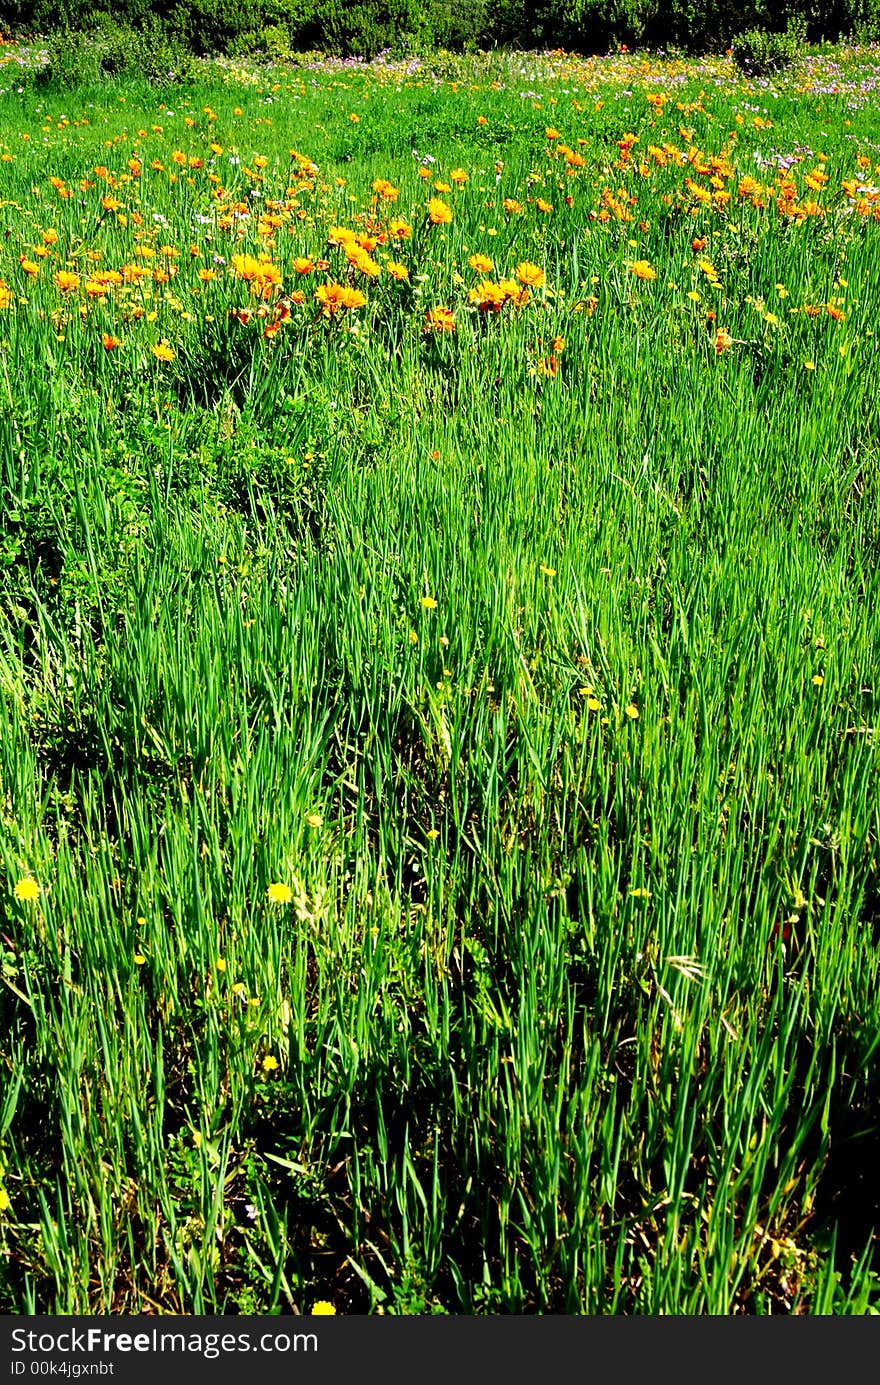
<point x="384" y="189"/>
<point x="439" y="214"/>
<point x="162" y="351"/>
<point x="26" y="889"/>
<point x="279" y="893"/>
<point x="340" y="235"/>
<point x="429" y="603"/>
<point x="642" y="270"/>
<point x="359" y="258"/>
<point x="482" y="264"/>
<point x="334" y="297"/>
<point x="490" y="297"/>
<point x="221" y="964"/>
<point x="314" y="820"/>
<point x="440" y="319"/>
<point x="530" y="274"/>
<point x="323" y="1309"/>
<point x="5" y="1201"/>
<point x="65" y="280"/>
<point x="632" y="711"/>
<point x="269" y="1063"/>
<point x="818" y="680"/>
<point x="548" y="571"/>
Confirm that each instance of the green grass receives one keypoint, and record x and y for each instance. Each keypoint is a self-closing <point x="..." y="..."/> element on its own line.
<point x="573" y="1004"/>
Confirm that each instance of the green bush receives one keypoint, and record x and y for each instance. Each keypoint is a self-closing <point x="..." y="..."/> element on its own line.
<point x="110" y="49"/>
<point x="366" y="27"/>
<point x="72" y="59"/>
<point x="277" y="27"/>
<point x="757" y="52"/>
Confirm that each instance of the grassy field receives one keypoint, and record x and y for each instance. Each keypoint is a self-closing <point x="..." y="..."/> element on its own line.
<point x="439" y="633"/>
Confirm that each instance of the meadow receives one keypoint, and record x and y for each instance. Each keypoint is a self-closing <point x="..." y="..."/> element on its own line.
<point x="439" y="633"/>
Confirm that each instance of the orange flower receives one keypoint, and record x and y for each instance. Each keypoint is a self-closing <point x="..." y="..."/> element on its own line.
<point x="481" y="263"/>
<point x="723" y="340"/>
<point x="439" y="214"/>
<point x="439" y="319"/>
<point x="642" y="270"/>
<point x="65" y="281"/>
<point x="109" y="343"/>
<point x="458" y="176"/>
<point x="206" y="275"/>
<point x="512" y="207"/>
<point x="302" y="265"/>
